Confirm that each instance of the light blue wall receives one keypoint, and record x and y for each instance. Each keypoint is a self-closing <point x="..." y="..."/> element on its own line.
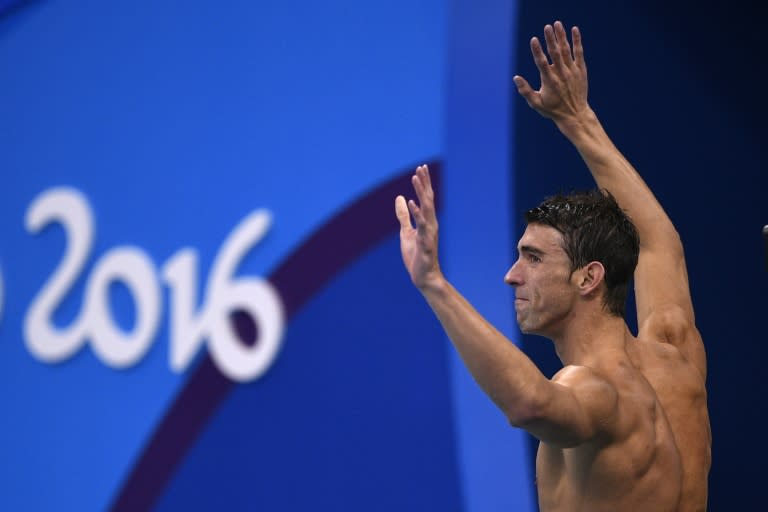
<point x="172" y="123"/>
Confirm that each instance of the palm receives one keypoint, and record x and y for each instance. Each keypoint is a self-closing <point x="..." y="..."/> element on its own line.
<point x="418" y="245"/>
<point x="418" y="254"/>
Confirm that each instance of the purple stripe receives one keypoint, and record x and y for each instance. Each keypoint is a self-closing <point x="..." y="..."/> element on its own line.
<point x="338" y="243"/>
<point x="8" y="6"/>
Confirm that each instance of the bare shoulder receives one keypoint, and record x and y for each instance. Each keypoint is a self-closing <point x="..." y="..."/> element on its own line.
<point x="573" y="372"/>
<point x="588" y="381"/>
<point x="582" y="377"/>
<point x="634" y="403"/>
<point x="590" y="388"/>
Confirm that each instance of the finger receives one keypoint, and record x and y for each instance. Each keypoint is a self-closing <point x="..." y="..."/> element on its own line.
<point x="401" y="210"/>
<point x="425" y="196"/>
<point x="418" y="186"/>
<point x="552" y="48"/>
<point x="427" y="177"/>
<point x="525" y="90"/>
<point x="418" y="216"/>
<point x="423" y="173"/>
<point x="578" y="48"/>
<point x="539" y="58"/>
<point x="562" y="43"/>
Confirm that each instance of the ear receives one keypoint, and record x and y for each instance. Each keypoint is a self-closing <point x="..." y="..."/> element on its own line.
<point x="591" y="276"/>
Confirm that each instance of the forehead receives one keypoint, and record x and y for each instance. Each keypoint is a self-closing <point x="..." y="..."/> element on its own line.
<point x="542" y="237"/>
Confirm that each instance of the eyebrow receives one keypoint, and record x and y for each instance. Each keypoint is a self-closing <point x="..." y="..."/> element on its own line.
<point x="531" y="250"/>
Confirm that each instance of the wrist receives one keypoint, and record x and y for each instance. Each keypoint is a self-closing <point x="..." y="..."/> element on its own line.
<point x="432" y="283"/>
<point x="578" y="125"/>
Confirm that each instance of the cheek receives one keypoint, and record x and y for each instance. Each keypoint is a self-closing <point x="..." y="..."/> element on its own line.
<point x="550" y="293"/>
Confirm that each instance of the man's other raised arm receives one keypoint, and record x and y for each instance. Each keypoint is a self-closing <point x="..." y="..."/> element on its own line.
<point x="664" y="307"/>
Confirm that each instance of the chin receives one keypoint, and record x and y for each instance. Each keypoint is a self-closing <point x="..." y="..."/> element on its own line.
<point x="527" y="329"/>
<point x="535" y="330"/>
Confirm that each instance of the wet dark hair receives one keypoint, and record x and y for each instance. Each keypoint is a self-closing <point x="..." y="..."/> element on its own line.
<point x="594" y="228"/>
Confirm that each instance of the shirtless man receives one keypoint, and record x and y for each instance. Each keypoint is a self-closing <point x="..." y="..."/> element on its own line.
<point x="624" y="425"/>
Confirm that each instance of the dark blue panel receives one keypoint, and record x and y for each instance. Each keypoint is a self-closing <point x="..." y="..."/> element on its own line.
<point x="676" y="85"/>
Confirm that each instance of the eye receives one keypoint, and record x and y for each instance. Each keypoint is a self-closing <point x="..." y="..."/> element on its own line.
<point x="533" y="258"/>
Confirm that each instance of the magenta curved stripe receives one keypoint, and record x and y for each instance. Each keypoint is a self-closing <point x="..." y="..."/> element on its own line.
<point x="300" y="276"/>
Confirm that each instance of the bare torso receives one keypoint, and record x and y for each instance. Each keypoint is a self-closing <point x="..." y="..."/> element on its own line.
<point x="659" y="458"/>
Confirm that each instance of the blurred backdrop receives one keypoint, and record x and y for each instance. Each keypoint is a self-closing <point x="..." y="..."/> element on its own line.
<point x="202" y="303"/>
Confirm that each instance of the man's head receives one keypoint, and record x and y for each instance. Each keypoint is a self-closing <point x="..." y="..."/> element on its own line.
<point x="592" y="237"/>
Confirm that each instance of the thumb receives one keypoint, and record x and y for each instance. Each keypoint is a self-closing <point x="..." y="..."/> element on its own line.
<point x="401" y="210"/>
<point x="525" y="89"/>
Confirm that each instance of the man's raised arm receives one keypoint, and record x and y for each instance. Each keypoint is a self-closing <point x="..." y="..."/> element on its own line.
<point x="565" y="413"/>
<point x="664" y="308"/>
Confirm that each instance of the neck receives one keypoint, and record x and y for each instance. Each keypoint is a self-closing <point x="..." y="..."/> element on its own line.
<point x="590" y="336"/>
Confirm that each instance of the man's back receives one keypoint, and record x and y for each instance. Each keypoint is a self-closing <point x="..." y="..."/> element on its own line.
<point x="637" y="468"/>
<point x="681" y="390"/>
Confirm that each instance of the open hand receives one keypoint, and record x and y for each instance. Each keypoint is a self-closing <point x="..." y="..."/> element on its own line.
<point x="563" y="92"/>
<point x="419" y="245"/>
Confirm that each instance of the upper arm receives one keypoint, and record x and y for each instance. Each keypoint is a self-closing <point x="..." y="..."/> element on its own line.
<point x="661" y="276"/>
<point x="664" y="307"/>
<point x="578" y="406"/>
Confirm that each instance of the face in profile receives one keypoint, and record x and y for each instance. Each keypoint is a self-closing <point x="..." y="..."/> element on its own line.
<point x="544" y="292"/>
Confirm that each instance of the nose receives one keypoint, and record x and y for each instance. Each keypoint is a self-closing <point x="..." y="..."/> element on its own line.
<point x="513" y="276"/>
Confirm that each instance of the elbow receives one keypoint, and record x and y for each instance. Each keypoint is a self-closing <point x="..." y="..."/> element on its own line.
<point x="529" y="405"/>
<point x="523" y="415"/>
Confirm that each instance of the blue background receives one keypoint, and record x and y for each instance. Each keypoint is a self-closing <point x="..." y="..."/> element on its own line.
<point x="178" y="119"/>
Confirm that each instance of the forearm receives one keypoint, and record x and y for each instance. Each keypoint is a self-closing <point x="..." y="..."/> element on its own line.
<point x="506" y="375"/>
<point x="614" y="173"/>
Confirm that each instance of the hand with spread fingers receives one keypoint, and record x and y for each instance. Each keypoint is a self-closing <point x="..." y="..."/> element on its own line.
<point x="563" y="93"/>
<point x="419" y="245"/>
